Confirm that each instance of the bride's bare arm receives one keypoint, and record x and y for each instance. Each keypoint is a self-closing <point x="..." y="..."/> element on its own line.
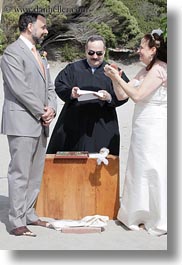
<point x="120" y="94"/>
<point x="151" y="81"/>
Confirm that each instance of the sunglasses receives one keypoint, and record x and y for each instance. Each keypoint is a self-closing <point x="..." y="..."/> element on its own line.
<point x="99" y="53"/>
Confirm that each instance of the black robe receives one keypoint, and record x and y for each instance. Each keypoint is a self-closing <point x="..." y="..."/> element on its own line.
<point x="85" y="125"/>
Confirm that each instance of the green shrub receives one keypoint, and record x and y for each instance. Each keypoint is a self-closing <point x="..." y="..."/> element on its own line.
<point x="104" y="30"/>
<point x="147" y="13"/>
<point x="10" y="25"/>
<point x="163" y="26"/>
<point x="3" y="41"/>
<point x="69" y="52"/>
<point x="125" y="26"/>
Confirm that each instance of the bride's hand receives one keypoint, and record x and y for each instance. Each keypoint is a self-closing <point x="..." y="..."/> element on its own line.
<point x="111" y="71"/>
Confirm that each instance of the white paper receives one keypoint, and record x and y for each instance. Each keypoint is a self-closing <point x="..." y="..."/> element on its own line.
<point x="88" y="95"/>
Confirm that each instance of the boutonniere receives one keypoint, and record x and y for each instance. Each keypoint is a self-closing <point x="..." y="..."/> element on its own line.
<point x="43" y="54"/>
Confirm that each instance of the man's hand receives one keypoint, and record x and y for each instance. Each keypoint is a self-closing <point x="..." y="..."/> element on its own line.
<point x="106" y="96"/>
<point x="74" y="93"/>
<point x="111" y="71"/>
<point x="48" y="116"/>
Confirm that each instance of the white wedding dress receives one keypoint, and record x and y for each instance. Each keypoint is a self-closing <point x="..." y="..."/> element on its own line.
<point x="144" y="197"/>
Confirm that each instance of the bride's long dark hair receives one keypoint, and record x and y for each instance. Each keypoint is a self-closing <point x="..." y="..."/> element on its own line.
<point x="154" y="40"/>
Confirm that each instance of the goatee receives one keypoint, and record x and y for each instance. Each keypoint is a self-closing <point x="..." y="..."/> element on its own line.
<point x="37" y="40"/>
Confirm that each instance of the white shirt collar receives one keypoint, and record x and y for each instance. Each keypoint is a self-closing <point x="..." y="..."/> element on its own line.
<point x="26" y="41"/>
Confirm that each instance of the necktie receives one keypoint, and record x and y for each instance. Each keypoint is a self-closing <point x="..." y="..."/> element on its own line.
<point x="38" y="59"/>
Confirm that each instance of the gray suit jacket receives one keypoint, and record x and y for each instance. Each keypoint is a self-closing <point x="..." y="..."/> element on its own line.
<point x="26" y="92"/>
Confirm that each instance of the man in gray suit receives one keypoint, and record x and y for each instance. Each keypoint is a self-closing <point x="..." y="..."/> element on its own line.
<point x="29" y="107"/>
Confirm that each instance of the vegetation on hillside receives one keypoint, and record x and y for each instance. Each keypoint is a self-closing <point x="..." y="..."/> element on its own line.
<point x="121" y="22"/>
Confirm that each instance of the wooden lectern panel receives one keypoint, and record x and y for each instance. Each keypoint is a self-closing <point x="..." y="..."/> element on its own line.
<point x="75" y="188"/>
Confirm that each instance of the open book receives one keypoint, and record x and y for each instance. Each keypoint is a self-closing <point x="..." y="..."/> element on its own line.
<point x="88" y="95"/>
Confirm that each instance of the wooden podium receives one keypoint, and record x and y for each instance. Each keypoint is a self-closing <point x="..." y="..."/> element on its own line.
<point x="75" y="188"/>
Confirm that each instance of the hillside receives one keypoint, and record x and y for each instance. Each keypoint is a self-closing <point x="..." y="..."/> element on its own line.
<point x="122" y="23"/>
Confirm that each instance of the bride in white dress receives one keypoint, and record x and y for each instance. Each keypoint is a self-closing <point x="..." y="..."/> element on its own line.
<point x="144" y="200"/>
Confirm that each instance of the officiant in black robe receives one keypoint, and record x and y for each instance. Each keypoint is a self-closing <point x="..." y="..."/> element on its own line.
<point x="91" y="124"/>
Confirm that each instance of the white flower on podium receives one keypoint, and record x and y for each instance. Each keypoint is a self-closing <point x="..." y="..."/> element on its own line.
<point x="102" y="156"/>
